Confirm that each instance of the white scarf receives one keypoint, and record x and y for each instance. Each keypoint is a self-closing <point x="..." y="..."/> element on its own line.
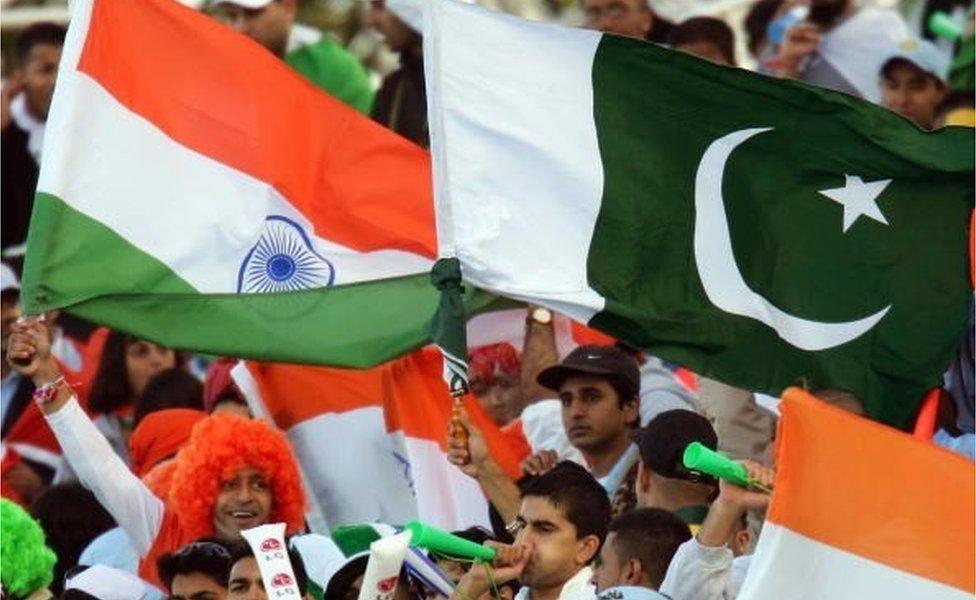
<point x="29" y="123"/>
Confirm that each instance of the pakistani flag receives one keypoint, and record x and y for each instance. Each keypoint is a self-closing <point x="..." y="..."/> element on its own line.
<point x="761" y="232"/>
<point x="197" y="192"/>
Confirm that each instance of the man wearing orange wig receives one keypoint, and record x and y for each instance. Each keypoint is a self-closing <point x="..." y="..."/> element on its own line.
<point x="233" y="474"/>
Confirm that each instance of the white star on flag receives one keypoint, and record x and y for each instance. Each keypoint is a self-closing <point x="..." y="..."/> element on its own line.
<point x="858" y="198"/>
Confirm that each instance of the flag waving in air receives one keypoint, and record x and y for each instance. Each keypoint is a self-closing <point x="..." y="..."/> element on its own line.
<point x="863" y="511"/>
<point x="197" y="192"/>
<point x="757" y="231"/>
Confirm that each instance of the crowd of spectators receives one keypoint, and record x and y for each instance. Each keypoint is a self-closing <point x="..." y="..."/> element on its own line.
<point x="138" y="482"/>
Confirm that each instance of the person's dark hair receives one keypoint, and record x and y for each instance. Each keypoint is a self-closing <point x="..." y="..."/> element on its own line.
<point x="110" y="389"/>
<point x="624" y="395"/>
<point x="660" y="27"/>
<point x="705" y="29"/>
<point x="584" y="501"/>
<point x="10" y="296"/>
<point x="757" y="22"/>
<point x="36" y="35"/>
<point x="956" y="99"/>
<point x="476" y="534"/>
<point x="652" y="536"/>
<point x="206" y="555"/>
<point x="172" y="388"/>
<point x="240" y="549"/>
<point x="71" y="517"/>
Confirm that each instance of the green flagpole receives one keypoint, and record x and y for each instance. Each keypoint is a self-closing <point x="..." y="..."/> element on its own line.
<point x="448" y="329"/>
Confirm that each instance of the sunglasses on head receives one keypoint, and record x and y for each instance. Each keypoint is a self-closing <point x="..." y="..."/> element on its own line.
<point x="205" y="548"/>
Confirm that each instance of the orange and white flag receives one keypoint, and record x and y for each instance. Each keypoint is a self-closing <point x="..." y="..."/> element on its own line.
<point x="372" y="443"/>
<point x="862" y="511"/>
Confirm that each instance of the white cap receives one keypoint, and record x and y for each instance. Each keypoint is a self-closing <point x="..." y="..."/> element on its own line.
<point x="8" y="279"/>
<point x="107" y="583"/>
<point x="921" y="53"/>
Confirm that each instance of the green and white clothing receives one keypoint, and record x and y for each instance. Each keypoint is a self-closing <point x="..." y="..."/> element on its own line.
<point x="330" y="67"/>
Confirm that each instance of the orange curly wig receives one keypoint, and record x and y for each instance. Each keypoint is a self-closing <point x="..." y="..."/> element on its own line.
<point x="160" y="478"/>
<point x="219" y="446"/>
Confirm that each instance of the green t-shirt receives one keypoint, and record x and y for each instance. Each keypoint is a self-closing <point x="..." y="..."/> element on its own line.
<point x="332" y="68"/>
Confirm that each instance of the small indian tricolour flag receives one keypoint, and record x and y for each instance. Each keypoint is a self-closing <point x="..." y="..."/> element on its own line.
<point x="372" y="443"/>
<point x="197" y="192"/>
<point x="755" y="230"/>
<point x="861" y="510"/>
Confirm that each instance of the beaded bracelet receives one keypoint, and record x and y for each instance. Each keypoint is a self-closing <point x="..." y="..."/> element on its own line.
<point x="46" y="393"/>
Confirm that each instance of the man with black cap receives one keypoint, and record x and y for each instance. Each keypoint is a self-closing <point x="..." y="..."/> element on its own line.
<point x="599" y="389"/>
<point x="662" y="480"/>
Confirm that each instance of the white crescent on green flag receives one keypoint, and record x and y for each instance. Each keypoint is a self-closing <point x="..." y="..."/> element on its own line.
<point x="758" y="231"/>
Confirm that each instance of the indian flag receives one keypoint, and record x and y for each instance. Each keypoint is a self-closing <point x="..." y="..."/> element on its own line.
<point x="861" y="510"/>
<point x="372" y="443"/>
<point x="754" y="230"/>
<point x="197" y="192"/>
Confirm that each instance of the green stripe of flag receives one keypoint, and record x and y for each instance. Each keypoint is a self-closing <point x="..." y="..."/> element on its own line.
<point x="356" y="325"/>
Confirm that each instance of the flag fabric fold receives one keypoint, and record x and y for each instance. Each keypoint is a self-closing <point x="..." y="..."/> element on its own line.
<point x="757" y="231"/>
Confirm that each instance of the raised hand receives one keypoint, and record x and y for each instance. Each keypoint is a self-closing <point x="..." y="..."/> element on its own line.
<point x="800" y="41"/>
<point x="29" y="351"/>
<point x="540" y="463"/>
<point x="744" y="498"/>
<point x="471" y="457"/>
<point x="507" y="566"/>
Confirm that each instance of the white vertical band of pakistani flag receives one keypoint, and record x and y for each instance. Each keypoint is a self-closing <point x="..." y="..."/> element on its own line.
<point x="534" y="86"/>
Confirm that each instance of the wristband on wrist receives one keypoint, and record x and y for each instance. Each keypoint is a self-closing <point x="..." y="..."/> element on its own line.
<point x="515" y="526"/>
<point x="46" y="393"/>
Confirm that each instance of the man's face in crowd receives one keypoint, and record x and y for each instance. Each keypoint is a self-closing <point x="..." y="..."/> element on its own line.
<point x="245" y="581"/>
<point x="9" y="312"/>
<point x="912" y="93"/>
<point x="557" y="554"/>
<point x="607" y="570"/>
<point x="502" y="398"/>
<point x="196" y="586"/>
<point x="40" y="71"/>
<point x="397" y="34"/>
<point x="591" y="411"/>
<point x="144" y="360"/>
<point x="741" y="538"/>
<point x="244" y="501"/>
<point x="269" y="26"/>
<point x="707" y="50"/>
<point x="631" y="18"/>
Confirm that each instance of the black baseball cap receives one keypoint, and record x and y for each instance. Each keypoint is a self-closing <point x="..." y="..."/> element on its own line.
<point x="662" y="442"/>
<point x="607" y="361"/>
